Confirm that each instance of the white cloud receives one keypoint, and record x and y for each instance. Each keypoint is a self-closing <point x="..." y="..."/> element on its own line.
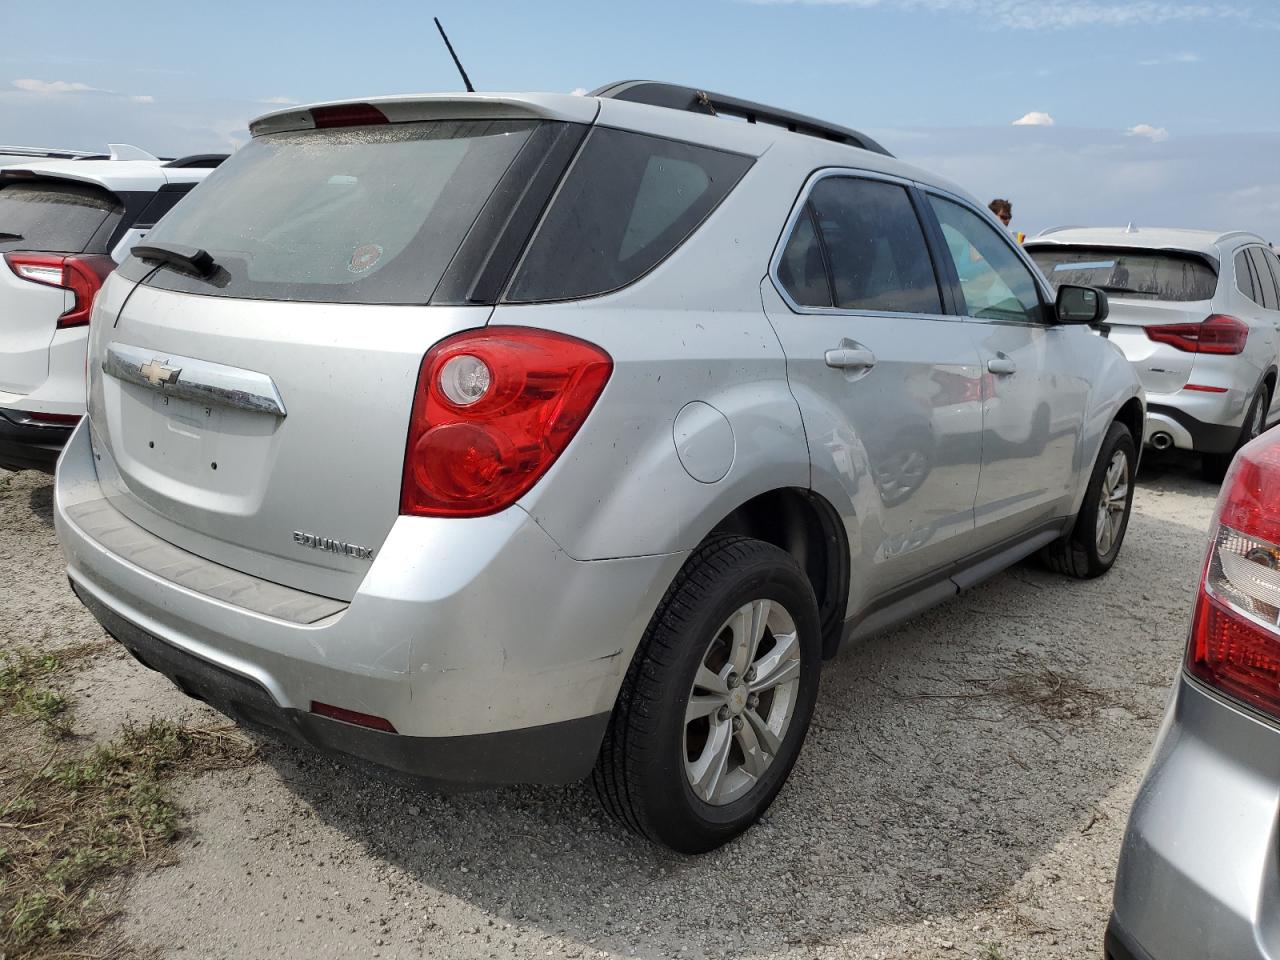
<point x="279" y="101"/>
<point x="1173" y="58"/>
<point x="1154" y="134"/>
<point x="1041" y="15"/>
<point x="143" y="98"/>
<point x="578" y="92"/>
<point x="1035" y="118"/>
<point x="55" y="86"/>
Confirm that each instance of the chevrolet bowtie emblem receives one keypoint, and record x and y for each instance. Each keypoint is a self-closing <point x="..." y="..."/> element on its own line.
<point x="157" y="374"/>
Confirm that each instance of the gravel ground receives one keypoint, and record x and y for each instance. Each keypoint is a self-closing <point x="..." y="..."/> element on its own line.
<point x="962" y="794"/>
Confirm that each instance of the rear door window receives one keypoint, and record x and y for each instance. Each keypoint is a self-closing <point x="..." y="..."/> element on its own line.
<point x="1272" y="262"/>
<point x="1146" y="274"/>
<point x="874" y="246"/>
<point x="627" y="203"/>
<point x="996" y="284"/>
<point x="802" y="269"/>
<point x="55" y="216"/>
<point x="1270" y="297"/>
<point x="346" y="215"/>
<point x="1244" y="277"/>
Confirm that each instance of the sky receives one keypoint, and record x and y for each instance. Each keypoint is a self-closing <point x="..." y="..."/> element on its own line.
<point x="1087" y="112"/>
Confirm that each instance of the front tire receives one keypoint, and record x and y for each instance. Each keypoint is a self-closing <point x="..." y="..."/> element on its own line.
<point x="1093" y="544"/>
<point x="717" y="700"/>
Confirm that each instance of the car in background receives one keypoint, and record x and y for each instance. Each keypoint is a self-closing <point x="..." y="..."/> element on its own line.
<point x="1198" y="876"/>
<point x="65" y="224"/>
<point x="527" y="437"/>
<point x="1198" y="315"/>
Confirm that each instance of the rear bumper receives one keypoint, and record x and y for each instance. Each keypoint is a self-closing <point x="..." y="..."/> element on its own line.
<point x="1198" y="877"/>
<point x="1118" y="946"/>
<point x="29" y="445"/>
<point x="476" y="630"/>
<point x="1189" y="432"/>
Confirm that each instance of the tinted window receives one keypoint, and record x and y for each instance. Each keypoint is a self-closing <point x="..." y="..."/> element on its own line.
<point x="1273" y="262"/>
<point x="348" y="215"/>
<point x="162" y="203"/>
<point x="1244" y="277"/>
<point x="1270" y="298"/>
<point x="1149" y="274"/>
<point x="995" y="282"/>
<point x="875" y="246"/>
<point x="802" y="271"/>
<point x="627" y="203"/>
<point x="55" y="216"/>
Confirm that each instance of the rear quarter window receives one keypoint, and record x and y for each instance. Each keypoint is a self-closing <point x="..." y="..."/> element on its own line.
<point x="52" y="216"/>
<point x="1146" y="274"/>
<point x="627" y="203"/>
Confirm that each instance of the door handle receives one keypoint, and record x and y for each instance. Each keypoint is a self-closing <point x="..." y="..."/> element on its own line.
<point x="1002" y="365"/>
<point x="850" y="358"/>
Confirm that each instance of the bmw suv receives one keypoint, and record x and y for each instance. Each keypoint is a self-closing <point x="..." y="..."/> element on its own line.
<point x="1198" y="315"/>
<point x="523" y="438"/>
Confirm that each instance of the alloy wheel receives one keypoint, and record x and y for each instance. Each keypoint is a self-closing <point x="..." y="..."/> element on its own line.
<point x="1113" y="500"/>
<point x="742" y="701"/>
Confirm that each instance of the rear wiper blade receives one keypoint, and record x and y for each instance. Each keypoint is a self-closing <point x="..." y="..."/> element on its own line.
<point x="6" y="235"/>
<point x="1111" y="288"/>
<point x="194" y="259"/>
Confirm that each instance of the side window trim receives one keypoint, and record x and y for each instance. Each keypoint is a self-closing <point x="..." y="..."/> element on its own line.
<point x="1044" y="296"/>
<point x="802" y="207"/>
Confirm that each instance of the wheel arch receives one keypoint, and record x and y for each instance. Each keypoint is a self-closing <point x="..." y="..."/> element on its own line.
<point x="808" y="527"/>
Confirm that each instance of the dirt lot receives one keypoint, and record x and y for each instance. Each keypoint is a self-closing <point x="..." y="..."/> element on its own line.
<point x="962" y="794"/>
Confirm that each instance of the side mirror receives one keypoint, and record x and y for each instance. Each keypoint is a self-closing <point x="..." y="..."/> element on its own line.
<point x="1082" y="305"/>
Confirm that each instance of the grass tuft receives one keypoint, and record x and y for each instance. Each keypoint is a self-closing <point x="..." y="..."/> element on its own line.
<point x="74" y="821"/>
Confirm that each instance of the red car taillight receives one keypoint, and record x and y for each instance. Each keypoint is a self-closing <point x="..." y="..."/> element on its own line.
<point x="1218" y="334"/>
<point x="83" y="275"/>
<point x="1235" y="633"/>
<point x="492" y="411"/>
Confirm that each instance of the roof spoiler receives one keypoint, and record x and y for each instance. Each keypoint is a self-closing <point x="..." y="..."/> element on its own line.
<point x="203" y="161"/>
<point x="44" y="153"/>
<point x="676" y="97"/>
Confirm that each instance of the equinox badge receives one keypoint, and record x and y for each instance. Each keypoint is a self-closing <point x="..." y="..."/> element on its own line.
<point x="317" y="542"/>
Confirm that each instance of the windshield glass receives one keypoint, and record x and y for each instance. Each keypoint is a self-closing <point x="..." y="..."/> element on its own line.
<point x="1148" y="274"/>
<point x="53" y="216"/>
<point x="350" y="215"/>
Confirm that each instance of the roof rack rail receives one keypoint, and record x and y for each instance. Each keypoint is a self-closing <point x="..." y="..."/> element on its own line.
<point x="1066" y="226"/>
<point x="204" y="161"/>
<point x="48" y="153"/>
<point x="677" y="97"/>
<point x="1238" y="233"/>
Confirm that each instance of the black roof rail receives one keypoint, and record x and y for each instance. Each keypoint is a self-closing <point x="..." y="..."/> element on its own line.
<point x="206" y="161"/>
<point x="677" y="97"/>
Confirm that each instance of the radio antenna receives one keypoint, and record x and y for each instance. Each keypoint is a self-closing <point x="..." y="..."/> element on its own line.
<point x="458" y="63"/>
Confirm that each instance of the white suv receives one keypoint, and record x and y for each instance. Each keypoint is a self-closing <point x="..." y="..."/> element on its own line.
<point x="504" y="437"/>
<point x="1197" y="314"/>
<point x="64" y="225"/>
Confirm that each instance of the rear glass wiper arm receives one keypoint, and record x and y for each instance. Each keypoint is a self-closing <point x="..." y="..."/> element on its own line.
<point x="193" y="259"/>
<point x="1110" y="288"/>
<point x="6" y="235"/>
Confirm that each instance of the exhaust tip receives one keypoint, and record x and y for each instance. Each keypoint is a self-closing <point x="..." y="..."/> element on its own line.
<point x="1161" y="440"/>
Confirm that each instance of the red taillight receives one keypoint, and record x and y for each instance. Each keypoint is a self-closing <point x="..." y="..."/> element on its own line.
<point x="1204" y="388"/>
<point x="82" y="275"/>
<point x="352" y="716"/>
<point x="1218" y="334"/>
<point x="347" y="115"/>
<point x="492" y="411"/>
<point x="58" y="418"/>
<point x="1235" y="635"/>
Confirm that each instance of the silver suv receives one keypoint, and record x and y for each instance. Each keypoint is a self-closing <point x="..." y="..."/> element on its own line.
<point x="502" y="438"/>
<point x="1197" y="314"/>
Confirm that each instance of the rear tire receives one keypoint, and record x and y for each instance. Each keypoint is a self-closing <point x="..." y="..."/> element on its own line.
<point x="1213" y="466"/>
<point x="717" y="700"/>
<point x="1093" y="544"/>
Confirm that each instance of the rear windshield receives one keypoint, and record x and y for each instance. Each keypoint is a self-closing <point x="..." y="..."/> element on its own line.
<point x="55" y="216"/>
<point x="1147" y="274"/>
<point x="628" y="202"/>
<point x="351" y="215"/>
